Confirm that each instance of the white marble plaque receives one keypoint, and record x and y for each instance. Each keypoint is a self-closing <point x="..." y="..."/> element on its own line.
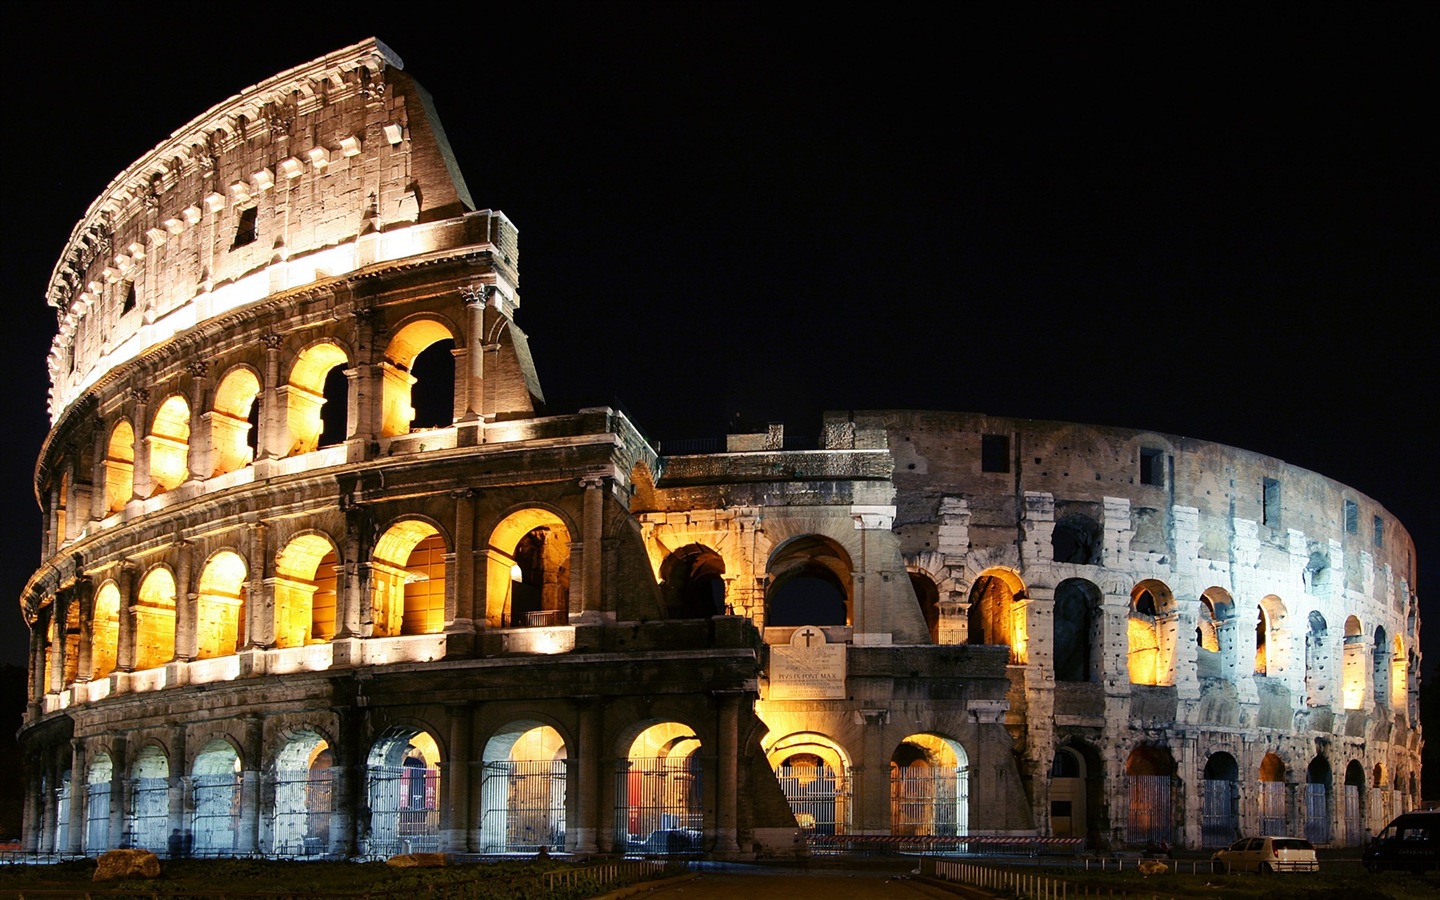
<point x="807" y="668"/>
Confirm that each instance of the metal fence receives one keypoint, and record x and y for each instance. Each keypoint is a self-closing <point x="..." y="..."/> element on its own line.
<point x="217" y="814"/>
<point x="97" y="816"/>
<point x="1272" y="808"/>
<point x="1354" y="819"/>
<point x="1317" y="816"/>
<point x="819" y="796"/>
<point x="523" y="806"/>
<point x="1219" y="813"/>
<point x="404" y="813"/>
<point x="1149" y="818"/>
<point x="148" y="823"/>
<point x="929" y="801"/>
<point x="660" y="806"/>
<point x="304" y="807"/>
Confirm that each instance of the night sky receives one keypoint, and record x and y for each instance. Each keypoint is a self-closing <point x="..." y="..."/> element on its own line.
<point x="1205" y="222"/>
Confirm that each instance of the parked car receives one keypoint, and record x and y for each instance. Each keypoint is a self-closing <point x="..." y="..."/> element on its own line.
<point x="1411" y="841"/>
<point x="1263" y="855"/>
<point x="669" y="841"/>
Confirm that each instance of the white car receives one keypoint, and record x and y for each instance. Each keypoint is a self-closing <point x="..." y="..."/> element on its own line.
<point x="1263" y="855"/>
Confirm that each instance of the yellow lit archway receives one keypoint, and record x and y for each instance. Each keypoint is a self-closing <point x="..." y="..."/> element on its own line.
<point x="407" y="575"/>
<point x="169" y="445"/>
<point x="230" y="421"/>
<point x="155" y="620"/>
<point x="398" y="382"/>
<point x="119" y="467"/>
<point x="305" y="591"/>
<point x="527" y="580"/>
<point x="220" y="606"/>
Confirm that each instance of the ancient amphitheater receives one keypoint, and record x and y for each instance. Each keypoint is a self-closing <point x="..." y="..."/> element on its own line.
<point x="322" y="576"/>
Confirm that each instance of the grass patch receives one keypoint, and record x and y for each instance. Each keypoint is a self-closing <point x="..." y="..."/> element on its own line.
<point x="1288" y="886"/>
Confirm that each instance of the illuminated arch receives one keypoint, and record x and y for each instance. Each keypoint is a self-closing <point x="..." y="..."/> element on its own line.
<point x="220" y="606"/>
<point x="929" y="787"/>
<point x="814" y="774"/>
<point x="215" y="789"/>
<point x="169" y="441"/>
<point x="305" y="591"/>
<point x="1270" y="618"/>
<point x="1317" y="661"/>
<point x="1274" y="818"/>
<point x="692" y="583"/>
<point x="997" y="612"/>
<point x="303" y="811"/>
<point x="232" y="433"/>
<point x="1150" y="772"/>
<point x="305" y="396"/>
<point x="1356" y="666"/>
<point x="397" y="372"/>
<point x="527" y="578"/>
<point x="155" y="619"/>
<point x="148" y="822"/>
<point x="407" y="577"/>
<point x="522" y="790"/>
<point x="660" y="808"/>
<point x="119" y="467"/>
<point x="810" y="583"/>
<point x="1399" y="676"/>
<point x="1150" y="633"/>
<point x="97" y="802"/>
<point x="105" y="631"/>
<point x="403" y="773"/>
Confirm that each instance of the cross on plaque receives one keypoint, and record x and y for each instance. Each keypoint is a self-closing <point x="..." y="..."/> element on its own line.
<point x="807" y="634"/>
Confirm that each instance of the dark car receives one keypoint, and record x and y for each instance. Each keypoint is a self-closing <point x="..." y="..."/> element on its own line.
<point x="669" y="842"/>
<point x="1410" y="842"/>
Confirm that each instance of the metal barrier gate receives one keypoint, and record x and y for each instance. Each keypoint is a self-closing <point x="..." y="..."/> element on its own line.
<point x="523" y="806"/>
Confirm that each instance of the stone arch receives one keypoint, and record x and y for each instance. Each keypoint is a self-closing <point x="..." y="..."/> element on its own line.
<point x="1150" y="773"/>
<point x="1220" y="801"/>
<point x="927" y="594"/>
<point x="809" y="583"/>
<point x="1316" y="805"/>
<point x="398" y="380"/>
<point x="169" y="441"/>
<point x="814" y="773"/>
<point x="233" y="420"/>
<point x="527" y="579"/>
<point x="523" y="790"/>
<point x="220" y="605"/>
<point x="305" y="590"/>
<point x="105" y="630"/>
<point x="155" y="619"/>
<point x="660" y="798"/>
<point x="1355" y="666"/>
<point x="1150" y="630"/>
<point x="1215" y="643"/>
<point x="1380" y="671"/>
<point x="1273" y="813"/>
<point x="1077" y="539"/>
<point x="692" y="583"/>
<point x="1354" y="802"/>
<point x="1077" y="790"/>
<point x="1317" y="661"/>
<point x="997" y="611"/>
<point x="1399" y="676"/>
<point x="98" y="777"/>
<point x="71" y="636"/>
<point x="407" y="579"/>
<point x="119" y="467"/>
<point x="311" y="412"/>
<point x="1269" y="653"/>
<point x="403" y="773"/>
<point x="303" y="811"/>
<point x="215" y="791"/>
<point x="148" y="822"/>
<point x="929" y="786"/>
<point x="1079" y="630"/>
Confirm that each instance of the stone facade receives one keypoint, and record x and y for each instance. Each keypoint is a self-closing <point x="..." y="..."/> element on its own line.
<point x="322" y="576"/>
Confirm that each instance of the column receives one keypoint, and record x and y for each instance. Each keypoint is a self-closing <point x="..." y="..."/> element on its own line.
<point x="199" y="458"/>
<point x="474" y="296"/>
<point x="119" y="798"/>
<point x="74" y="840"/>
<point x="462" y="617"/>
<point x="350" y="804"/>
<point x="186" y="637"/>
<point x="247" y="839"/>
<point x="365" y="412"/>
<point x="455" y="817"/>
<point x="178" y="782"/>
<point x="259" y="591"/>
<point x="273" y="439"/>
<point x="99" y="474"/>
<point x="726" y="777"/>
<point x="85" y="596"/>
<point x="141" y="420"/>
<point x="39" y="651"/>
<point x="583" y="812"/>
<point x="60" y="623"/>
<point x="589" y="602"/>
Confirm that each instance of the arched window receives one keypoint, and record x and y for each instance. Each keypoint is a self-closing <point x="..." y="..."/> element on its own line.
<point x="119" y="467"/>
<point x="1215" y="640"/>
<point x="523" y="790"/>
<point x="169" y="441"/>
<point x="1317" y="661"/>
<point x="423" y="346"/>
<point x="1273" y="818"/>
<point x="305" y="591"/>
<point x="97" y="803"/>
<point x="148" y="822"/>
<point x="1077" y="793"/>
<point x="220" y="606"/>
<point x="1151" y="633"/>
<point x="233" y="421"/>
<point x="317" y="398"/>
<point x="1150" y="772"/>
<point x="929" y="787"/>
<point x="1077" y="538"/>
<point x="1269" y="656"/>
<point x="660" y="797"/>
<point x="1356" y="664"/>
<point x="692" y="583"/>
<point x="1078" y="635"/>
<point x="927" y="594"/>
<point x="809" y="583"/>
<point x="1382" y="655"/>
<point x="1317" y="801"/>
<point x="1354" y="804"/>
<point x="105" y="630"/>
<point x="155" y="620"/>
<point x="408" y="580"/>
<point x="215" y="784"/>
<point x="814" y="773"/>
<point x="997" y="612"/>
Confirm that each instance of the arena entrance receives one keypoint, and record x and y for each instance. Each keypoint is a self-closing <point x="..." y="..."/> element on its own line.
<point x="929" y="787"/>
<point x="216" y="785"/>
<point x="1220" y="801"/>
<point x="523" y="790"/>
<point x="403" y="779"/>
<point x="149" y="818"/>
<point x="304" y="797"/>
<point x="815" y="776"/>
<point x="659" y="799"/>
<point x="1150" y="815"/>
<point x="97" y="804"/>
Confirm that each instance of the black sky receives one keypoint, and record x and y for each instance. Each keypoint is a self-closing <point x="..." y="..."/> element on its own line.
<point x="1202" y="221"/>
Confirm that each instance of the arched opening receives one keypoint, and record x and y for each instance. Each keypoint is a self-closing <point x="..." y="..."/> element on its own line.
<point x="155" y="620"/>
<point x="1317" y="661"/>
<point x="1273" y="819"/>
<point x="304" y="797"/>
<point x="423" y="347"/>
<point x="1215" y="642"/>
<point x="523" y="790"/>
<point x="1380" y="649"/>
<point x="997" y="612"/>
<point x="97" y="803"/>
<point x="72" y="643"/>
<point x="1399" y="677"/>
<point x="105" y="640"/>
<point x="215" y="786"/>
<point x="810" y="580"/>
<point x="305" y="591"/>
<point x="1220" y="801"/>
<point x="1150" y="633"/>
<point x="929" y="787"/>
<point x="220" y="606"/>
<point x="169" y="441"/>
<point x="119" y="467"/>
<point x="147" y="825"/>
<point x="927" y="594"/>
<point x="1355" y="666"/>
<point x="232" y="421"/>
<point x="1078" y="635"/>
<point x="1354" y="804"/>
<point x="1270" y="616"/>
<point x="317" y="398"/>
<point x="692" y="583"/>
<point x="404" y="788"/>
<point x="407" y="578"/>
<point x="61" y="798"/>
<point x="528" y="571"/>
<point x="1150" y="818"/>
<point x="1077" y="539"/>
<point x="660" y="808"/>
<point x="62" y="506"/>
<point x="814" y="774"/>
<point x="1317" y="801"/>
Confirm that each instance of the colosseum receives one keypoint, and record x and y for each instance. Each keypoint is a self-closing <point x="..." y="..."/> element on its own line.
<point x="322" y="576"/>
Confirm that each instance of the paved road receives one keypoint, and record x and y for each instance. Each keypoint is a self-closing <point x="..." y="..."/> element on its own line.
<point x="769" y="883"/>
